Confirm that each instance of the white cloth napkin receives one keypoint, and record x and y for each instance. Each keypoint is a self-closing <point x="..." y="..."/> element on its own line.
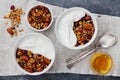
<point x="108" y="24"/>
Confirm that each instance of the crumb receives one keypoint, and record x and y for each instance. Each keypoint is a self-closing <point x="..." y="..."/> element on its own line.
<point x="21" y="30"/>
<point x="6" y="23"/>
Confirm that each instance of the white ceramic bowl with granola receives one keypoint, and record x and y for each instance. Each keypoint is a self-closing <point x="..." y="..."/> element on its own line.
<point x="76" y="28"/>
<point x="34" y="54"/>
<point x="39" y="17"/>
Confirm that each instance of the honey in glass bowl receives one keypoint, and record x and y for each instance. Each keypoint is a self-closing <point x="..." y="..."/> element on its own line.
<point x="101" y="63"/>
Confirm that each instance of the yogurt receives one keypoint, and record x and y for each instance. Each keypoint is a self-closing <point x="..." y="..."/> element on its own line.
<point x="65" y="27"/>
<point x="37" y="44"/>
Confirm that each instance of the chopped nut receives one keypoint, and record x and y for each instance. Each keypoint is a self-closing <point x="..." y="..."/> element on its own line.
<point x="10" y="31"/>
<point x="6" y="23"/>
<point x="21" y="30"/>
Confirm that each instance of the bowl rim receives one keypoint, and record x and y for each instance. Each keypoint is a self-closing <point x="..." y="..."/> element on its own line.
<point x="52" y="17"/>
<point x="94" y="22"/>
<point x="14" y="53"/>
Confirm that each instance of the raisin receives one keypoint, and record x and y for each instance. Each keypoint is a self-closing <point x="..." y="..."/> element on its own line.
<point x="76" y="24"/>
<point x="12" y="7"/>
<point x="21" y="64"/>
<point x="85" y="41"/>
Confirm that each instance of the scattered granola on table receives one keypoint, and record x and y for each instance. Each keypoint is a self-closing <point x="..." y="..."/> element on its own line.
<point x="15" y="17"/>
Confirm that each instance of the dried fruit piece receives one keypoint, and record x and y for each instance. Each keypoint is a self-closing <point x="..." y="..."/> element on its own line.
<point x="80" y="30"/>
<point x="87" y="17"/>
<point x="39" y="69"/>
<point x="24" y="57"/>
<point x="76" y="24"/>
<point x="12" y="31"/>
<point x="87" y="26"/>
<point x="29" y="70"/>
<point x="46" y="60"/>
<point x="12" y="7"/>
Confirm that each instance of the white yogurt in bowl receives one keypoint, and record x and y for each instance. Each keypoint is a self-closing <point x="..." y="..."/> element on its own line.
<point x="39" y="44"/>
<point x="64" y="27"/>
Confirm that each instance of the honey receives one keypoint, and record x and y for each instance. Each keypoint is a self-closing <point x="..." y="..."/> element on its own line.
<point x="101" y="63"/>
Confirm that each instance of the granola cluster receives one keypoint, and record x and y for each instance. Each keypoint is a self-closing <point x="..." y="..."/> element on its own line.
<point x="15" y="17"/>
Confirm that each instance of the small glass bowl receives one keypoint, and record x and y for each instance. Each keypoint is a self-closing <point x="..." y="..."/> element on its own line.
<point x="101" y="63"/>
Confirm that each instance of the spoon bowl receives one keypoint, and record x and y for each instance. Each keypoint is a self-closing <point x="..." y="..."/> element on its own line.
<point x="107" y="41"/>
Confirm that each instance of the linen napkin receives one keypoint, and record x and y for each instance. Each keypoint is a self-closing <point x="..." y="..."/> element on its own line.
<point x="108" y="24"/>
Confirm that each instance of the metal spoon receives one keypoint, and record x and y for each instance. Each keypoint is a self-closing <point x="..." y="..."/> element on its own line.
<point x="105" y="41"/>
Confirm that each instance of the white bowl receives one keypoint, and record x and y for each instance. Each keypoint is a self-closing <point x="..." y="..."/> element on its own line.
<point x="35" y="28"/>
<point x="68" y="11"/>
<point x="46" y="50"/>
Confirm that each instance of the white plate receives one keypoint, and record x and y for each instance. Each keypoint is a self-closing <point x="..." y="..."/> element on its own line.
<point x="38" y="44"/>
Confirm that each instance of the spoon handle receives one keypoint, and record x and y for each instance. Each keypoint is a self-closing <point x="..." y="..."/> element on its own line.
<point x="80" y="58"/>
<point x="73" y="57"/>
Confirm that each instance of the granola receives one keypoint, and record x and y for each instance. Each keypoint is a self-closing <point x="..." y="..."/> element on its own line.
<point x="84" y="30"/>
<point x="31" y="62"/>
<point x="39" y="17"/>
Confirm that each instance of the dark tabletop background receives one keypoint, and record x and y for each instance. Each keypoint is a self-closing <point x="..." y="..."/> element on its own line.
<point x="108" y="7"/>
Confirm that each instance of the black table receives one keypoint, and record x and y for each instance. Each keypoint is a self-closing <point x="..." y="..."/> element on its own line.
<point x="108" y="7"/>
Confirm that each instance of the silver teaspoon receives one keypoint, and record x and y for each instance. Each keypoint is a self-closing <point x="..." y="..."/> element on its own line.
<point x="105" y="41"/>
